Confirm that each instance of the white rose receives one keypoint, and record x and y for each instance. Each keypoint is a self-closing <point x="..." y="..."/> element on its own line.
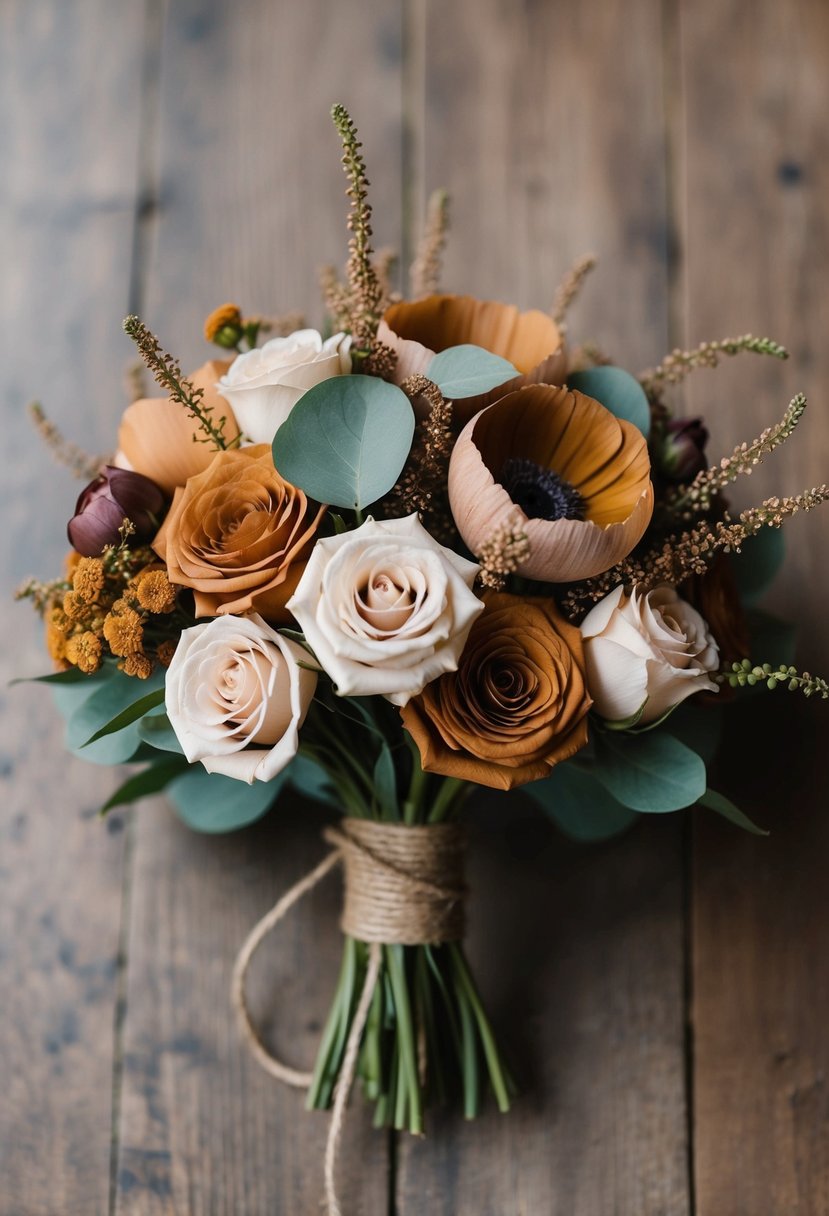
<point x="236" y="697"/>
<point x="385" y="608"/>
<point x="263" y="385"/>
<point x="647" y="647"/>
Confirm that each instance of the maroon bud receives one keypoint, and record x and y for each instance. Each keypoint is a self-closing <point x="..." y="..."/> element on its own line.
<point x="682" y="454"/>
<point x="114" y="495"/>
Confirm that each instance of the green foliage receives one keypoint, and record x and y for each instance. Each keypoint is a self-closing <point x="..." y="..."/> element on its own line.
<point x="652" y="773"/>
<point x="467" y="370"/>
<point x="385" y="783"/>
<point x="151" y="780"/>
<point x="157" y="731"/>
<point x="723" y="806"/>
<point x="617" y="391"/>
<point x="311" y="780"/>
<point x="90" y="711"/>
<point x="579" y="804"/>
<point x="210" y="802"/>
<point x="346" y="440"/>
<point x="133" y="713"/>
<point x="758" y="563"/>
<point x="699" y="727"/>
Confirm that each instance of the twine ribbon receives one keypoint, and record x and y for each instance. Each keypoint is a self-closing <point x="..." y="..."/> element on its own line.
<point x="403" y="885"/>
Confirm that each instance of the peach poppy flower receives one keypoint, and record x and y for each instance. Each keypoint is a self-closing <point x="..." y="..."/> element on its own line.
<point x="559" y="467"/>
<point x="156" y="435"/>
<point x="417" y="330"/>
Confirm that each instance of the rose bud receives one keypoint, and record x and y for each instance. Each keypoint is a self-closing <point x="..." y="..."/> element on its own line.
<point x="114" y="495"/>
<point x="682" y="454"/>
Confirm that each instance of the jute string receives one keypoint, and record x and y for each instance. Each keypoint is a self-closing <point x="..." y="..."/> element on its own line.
<point x="403" y="885"/>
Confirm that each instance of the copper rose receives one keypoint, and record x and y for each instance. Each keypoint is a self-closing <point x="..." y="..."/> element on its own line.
<point x="239" y="536"/>
<point x="159" y="438"/>
<point x="516" y="706"/>
<point x="417" y="330"/>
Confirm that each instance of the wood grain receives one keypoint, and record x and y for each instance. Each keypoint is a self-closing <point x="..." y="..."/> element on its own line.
<point x="249" y="200"/>
<point x="756" y="241"/>
<point x="548" y="130"/>
<point x="69" y="87"/>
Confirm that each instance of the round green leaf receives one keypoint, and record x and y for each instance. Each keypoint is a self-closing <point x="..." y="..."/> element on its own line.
<point x="652" y="773"/>
<point x="580" y="805"/>
<point x="758" y="563"/>
<point x="346" y="440"/>
<point x="111" y="696"/>
<point x="156" y="730"/>
<point x="617" y="391"/>
<point x="467" y="370"/>
<point x="209" y="802"/>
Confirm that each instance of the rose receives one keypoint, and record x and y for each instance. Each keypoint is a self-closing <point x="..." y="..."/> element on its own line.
<point x="386" y="608"/>
<point x="236" y="696"/>
<point x="263" y="385"/>
<point x="239" y="535"/>
<point x="516" y="706"/>
<point x="113" y="496"/>
<point x="646" y="648"/>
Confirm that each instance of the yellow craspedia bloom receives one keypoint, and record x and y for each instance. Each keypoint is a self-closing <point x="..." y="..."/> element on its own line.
<point x="223" y="324"/>
<point x="124" y="630"/>
<point x="84" y="650"/>
<point x="155" y="592"/>
<point x="137" y="665"/>
<point x="88" y="579"/>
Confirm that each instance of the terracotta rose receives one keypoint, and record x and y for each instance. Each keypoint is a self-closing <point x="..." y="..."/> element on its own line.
<point x="239" y="536"/>
<point x="516" y="706"/>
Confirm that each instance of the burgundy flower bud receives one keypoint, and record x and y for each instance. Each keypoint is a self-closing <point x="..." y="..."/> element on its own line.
<point x="682" y="454"/>
<point x="114" y="495"/>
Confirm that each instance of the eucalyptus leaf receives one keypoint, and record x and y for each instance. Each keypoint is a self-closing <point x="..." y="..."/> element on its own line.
<point x="157" y="730"/>
<point x="699" y="727"/>
<point x="467" y="370"/>
<point x="723" y="806"/>
<point x="346" y="440"/>
<point x="72" y="675"/>
<point x="112" y="695"/>
<point x="758" y="563"/>
<point x="580" y="805"/>
<point x="210" y="802"/>
<point x="310" y="779"/>
<point x="652" y="773"/>
<point x="149" y="781"/>
<point x="133" y="713"/>
<point x="617" y="391"/>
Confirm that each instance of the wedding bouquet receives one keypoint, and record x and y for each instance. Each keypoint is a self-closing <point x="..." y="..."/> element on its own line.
<point x="437" y="549"/>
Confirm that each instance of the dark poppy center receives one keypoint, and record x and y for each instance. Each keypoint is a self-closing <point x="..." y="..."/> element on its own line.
<point x="540" y="492"/>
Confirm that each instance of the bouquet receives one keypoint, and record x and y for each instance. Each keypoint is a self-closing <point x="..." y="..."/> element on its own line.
<point x="436" y="548"/>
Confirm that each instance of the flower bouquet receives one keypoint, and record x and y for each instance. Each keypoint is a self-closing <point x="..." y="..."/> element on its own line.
<point x="437" y="549"/>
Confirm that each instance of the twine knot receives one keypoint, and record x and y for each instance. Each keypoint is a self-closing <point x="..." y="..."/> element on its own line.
<point x="403" y="885"/>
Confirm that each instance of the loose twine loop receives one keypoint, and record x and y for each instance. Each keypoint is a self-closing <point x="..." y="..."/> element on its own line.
<point x="403" y="885"/>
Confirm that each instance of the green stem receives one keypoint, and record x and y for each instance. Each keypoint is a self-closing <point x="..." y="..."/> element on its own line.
<point x="500" y="1083"/>
<point x="405" y="1035"/>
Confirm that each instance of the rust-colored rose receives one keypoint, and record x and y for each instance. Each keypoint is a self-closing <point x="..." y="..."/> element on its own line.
<point x="239" y="536"/>
<point x="516" y="706"/>
<point x="715" y="596"/>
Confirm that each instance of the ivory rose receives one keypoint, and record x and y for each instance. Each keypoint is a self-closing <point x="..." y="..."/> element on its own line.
<point x="646" y="648"/>
<point x="516" y="706"/>
<point x="236" y="697"/>
<point x="263" y="385"/>
<point x="386" y="608"/>
<point x="239" y="535"/>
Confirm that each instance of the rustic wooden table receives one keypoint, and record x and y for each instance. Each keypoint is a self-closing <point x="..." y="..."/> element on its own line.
<point x="664" y="997"/>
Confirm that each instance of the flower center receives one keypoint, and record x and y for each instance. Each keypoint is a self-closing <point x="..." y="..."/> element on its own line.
<point x="540" y="492"/>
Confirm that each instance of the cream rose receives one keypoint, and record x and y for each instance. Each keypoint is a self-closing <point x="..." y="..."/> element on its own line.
<point x="649" y="647"/>
<point x="264" y="385"/>
<point x="386" y="608"/>
<point x="236" y="697"/>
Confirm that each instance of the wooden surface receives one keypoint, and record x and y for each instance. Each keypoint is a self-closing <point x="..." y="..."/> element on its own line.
<point x="664" y="998"/>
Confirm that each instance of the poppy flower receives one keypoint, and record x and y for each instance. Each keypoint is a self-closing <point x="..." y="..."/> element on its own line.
<point x="416" y="330"/>
<point x="559" y="467"/>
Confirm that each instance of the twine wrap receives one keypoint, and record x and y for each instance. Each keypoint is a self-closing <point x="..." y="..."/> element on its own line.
<point x="403" y="885"/>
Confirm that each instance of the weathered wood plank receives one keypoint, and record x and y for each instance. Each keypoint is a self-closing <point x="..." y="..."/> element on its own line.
<point x="546" y="124"/>
<point x="250" y="202"/>
<point x="69" y="91"/>
<point x="755" y="172"/>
